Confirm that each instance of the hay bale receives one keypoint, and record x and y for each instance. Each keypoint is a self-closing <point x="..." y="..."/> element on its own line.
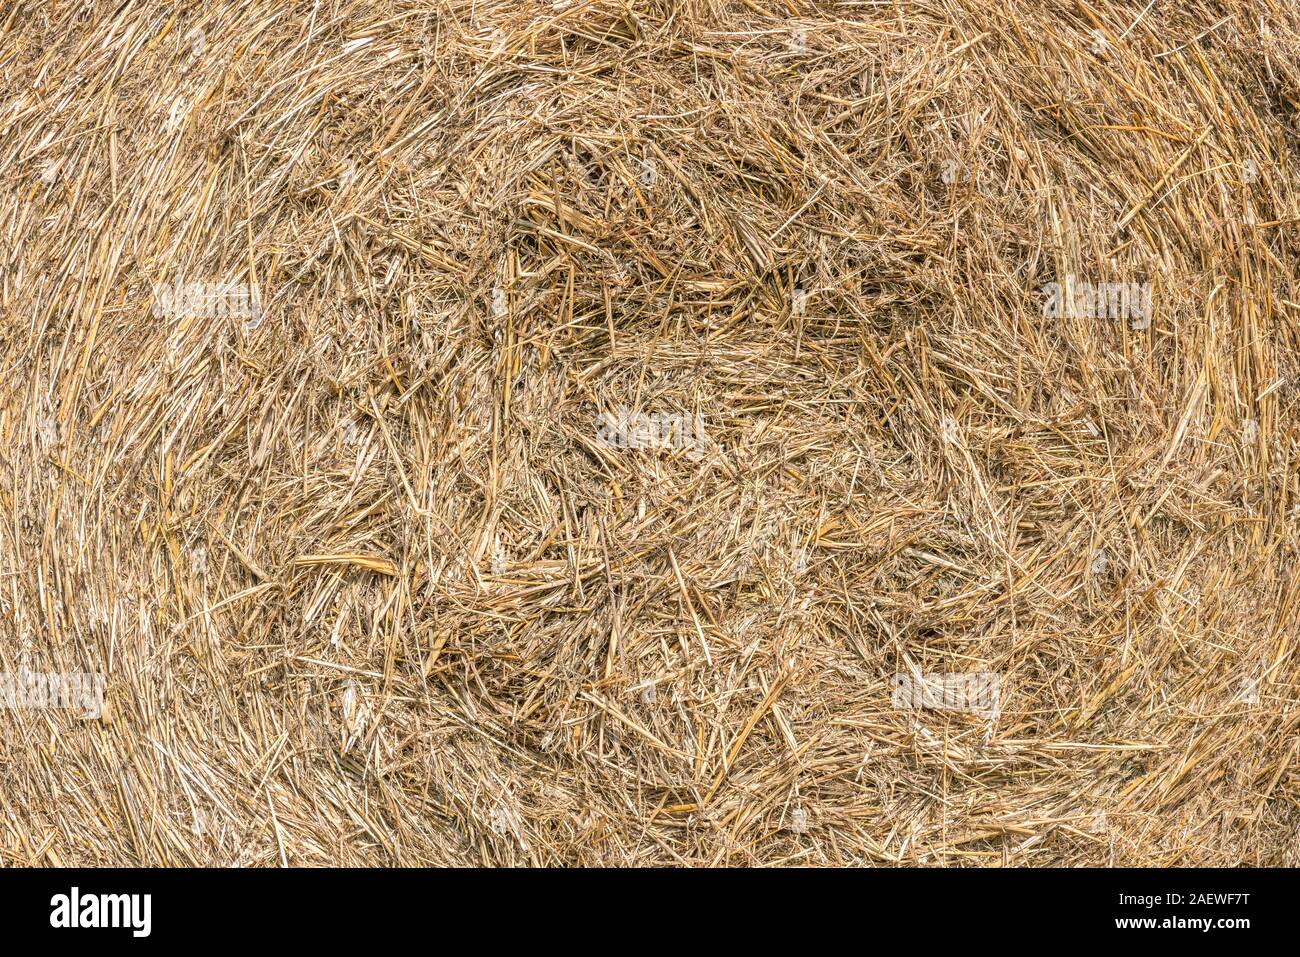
<point x="651" y="432"/>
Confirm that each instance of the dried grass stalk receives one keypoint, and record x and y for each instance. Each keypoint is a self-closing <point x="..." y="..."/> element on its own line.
<point x="308" y="310"/>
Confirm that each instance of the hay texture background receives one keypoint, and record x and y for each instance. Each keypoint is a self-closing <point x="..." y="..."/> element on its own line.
<point x="364" y="584"/>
